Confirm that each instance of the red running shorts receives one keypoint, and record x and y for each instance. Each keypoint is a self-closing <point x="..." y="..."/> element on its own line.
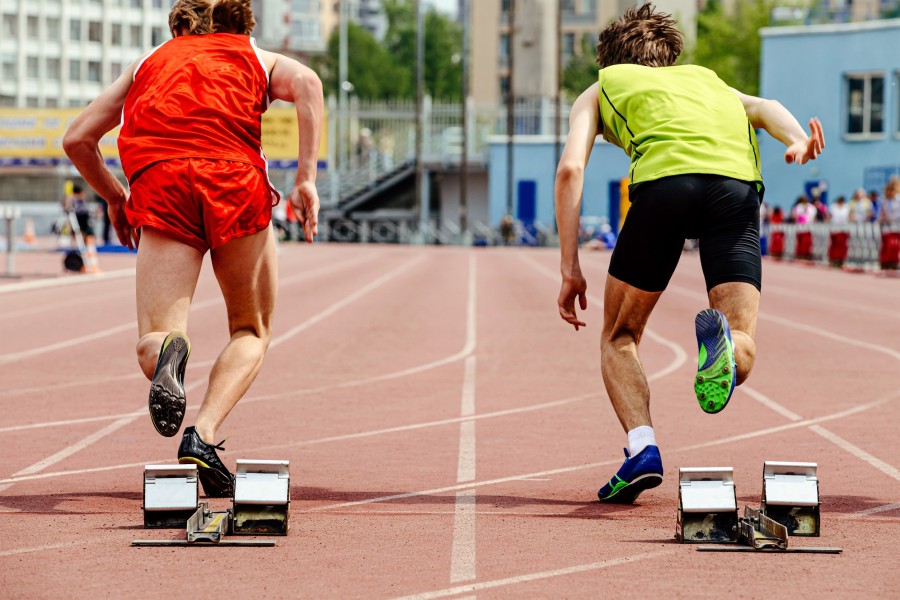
<point x="201" y="202"/>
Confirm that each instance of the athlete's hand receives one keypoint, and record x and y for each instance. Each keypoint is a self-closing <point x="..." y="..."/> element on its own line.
<point x="128" y="235"/>
<point x="573" y="286"/>
<point x="305" y="202"/>
<point x="802" y="151"/>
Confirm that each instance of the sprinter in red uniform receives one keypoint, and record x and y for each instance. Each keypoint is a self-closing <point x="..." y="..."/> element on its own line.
<point x="189" y="143"/>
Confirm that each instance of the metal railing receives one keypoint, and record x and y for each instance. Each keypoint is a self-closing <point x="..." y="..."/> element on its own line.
<point x="813" y="242"/>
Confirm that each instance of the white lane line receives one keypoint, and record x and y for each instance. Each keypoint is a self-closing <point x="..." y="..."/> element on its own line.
<point x="462" y="554"/>
<point x="73" y="280"/>
<point x="462" y="551"/>
<point x="325" y="440"/>
<point x="858" y="452"/>
<point x="769" y="403"/>
<point x="487" y="585"/>
<point x="680" y="354"/>
<point x="874" y="510"/>
<point x="73" y="448"/>
<point x="98" y="435"/>
<point x="17" y="356"/>
<point x="14" y="551"/>
<point x="466" y="468"/>
<point x="570" y="469"/>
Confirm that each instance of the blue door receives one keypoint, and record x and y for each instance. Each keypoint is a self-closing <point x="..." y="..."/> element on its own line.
<point x="526" y="212"/>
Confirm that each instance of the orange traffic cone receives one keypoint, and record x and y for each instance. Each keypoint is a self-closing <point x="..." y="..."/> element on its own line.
<point x="28" y="236"/>
<point x="91" y="263"/>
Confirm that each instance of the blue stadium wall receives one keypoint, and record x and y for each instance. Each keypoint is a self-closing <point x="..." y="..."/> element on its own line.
<point x="805" y="69"/>
<point x="534" y="171"/>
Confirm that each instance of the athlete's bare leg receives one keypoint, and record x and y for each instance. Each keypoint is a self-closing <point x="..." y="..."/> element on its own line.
<point x="739" y="302"/>
<point x="626" y="310"/>
<point x="247" y="271"/>
<point x="166" y="276"/>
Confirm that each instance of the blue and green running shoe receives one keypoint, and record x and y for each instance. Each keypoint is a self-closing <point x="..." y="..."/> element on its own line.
<point x="639" y="473"/>
<point x="716" y="374"/>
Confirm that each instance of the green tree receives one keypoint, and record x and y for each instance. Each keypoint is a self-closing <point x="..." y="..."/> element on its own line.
<point x="580" y="72"/>
<point x="729" y="42"/>
<point x="370" y="68"/>
<point x="443" y="48"/>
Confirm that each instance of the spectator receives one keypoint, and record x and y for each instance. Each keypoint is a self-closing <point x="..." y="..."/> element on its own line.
<point x="78" y="205"/>
<point x="803" y="212"/>
<point x="820" y="206"/>
<point x="839" y="212"/>
<point x="507" y="230"/>
<point x="103" y="213"/>
<point x="890" y="206"/>
<point x="860" y="207"/>
<point x="876" y="207"/>
<point x="777" y="215"/>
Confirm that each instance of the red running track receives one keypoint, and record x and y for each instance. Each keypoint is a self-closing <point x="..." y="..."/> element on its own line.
<point x="447" y="434"/>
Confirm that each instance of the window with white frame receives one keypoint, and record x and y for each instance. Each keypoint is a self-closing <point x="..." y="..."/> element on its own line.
<point x="32" y="66"/>
<point x="865" y="105"/>
<point x="95" y="31"/>
<point x="52" y="29"/>
<point x="75" y="30"/>
<point x="32" y="27"/>
<point x="75" y="70"/>
<point x="93" y="71"/>
<point x="53" y="69"/>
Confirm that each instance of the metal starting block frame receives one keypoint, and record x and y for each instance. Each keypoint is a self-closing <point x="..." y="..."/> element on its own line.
<point x="759" y="533"/>
<point x="170" y="495"/>
<point x="262" y="497"/>
<point x="791" y="496"/>
<point x="707" y="505"/>
<point x="260" y="505"/>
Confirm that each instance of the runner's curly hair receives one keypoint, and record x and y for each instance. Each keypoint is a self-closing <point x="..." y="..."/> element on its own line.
<point x="199" y="17"/>
<point x="641" y="36"/>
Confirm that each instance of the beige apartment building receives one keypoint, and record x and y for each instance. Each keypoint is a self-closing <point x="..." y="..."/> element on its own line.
<point x="536" y="41"/>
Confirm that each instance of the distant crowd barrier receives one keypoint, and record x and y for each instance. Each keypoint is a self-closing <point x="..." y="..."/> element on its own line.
<point x="865" y="246"/>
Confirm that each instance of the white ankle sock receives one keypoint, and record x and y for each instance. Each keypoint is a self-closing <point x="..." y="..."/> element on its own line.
<point x="639" y="438"/>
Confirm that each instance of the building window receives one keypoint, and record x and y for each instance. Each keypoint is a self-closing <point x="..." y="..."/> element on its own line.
<point x="51" y="102"/>
<point x="136" y="36"/>
<point x="115" y="34"/>
<point x="93" y="71"/>
<point x="32" y="27"/>
<point x="157" y="3"/>
<point x="75" y="30"/>
<point x="75" y="70"/>
<point x="568" y="46"/>
<point x="10" y="72"/>
<point x="7" y="100"/>
<point x="31" y="67"/>
<point x="156" y="36"/>
<point x="31" y="102"/>
<point x="136" y="3"/>
<point x="52" y="29"/>
<point x="865" y="105"/>
<point x="95" y="31"/>
<point x="53" y="69"/>
<point x="504" y="87"/>
<point x="10" y="26"/>
<point x="75" y="103"/>
<point x="115" y="69"/>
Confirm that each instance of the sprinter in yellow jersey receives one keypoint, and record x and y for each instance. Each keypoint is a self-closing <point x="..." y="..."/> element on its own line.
<point x="694" y="174"/>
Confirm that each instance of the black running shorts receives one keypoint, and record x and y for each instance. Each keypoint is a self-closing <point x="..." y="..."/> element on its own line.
<point x="721" y="212"/>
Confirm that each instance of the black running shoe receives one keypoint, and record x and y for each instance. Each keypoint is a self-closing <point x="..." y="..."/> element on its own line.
<point x="218" y="482"/>
<point x="167" y="400"/>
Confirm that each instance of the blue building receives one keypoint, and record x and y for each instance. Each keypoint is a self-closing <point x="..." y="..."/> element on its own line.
<point x="849" y="76"/>
<point x="534" y="175"/>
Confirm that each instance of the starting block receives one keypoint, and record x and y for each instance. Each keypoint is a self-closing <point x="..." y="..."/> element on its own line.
<point x="707" y="505"/>
<point x="791" y="496"/>
<point x="262" y="497"/>
<point x="170" y="495"/>
<point x="260" y="505"/>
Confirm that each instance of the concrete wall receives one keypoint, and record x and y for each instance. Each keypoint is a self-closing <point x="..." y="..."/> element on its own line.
<point x="805" y="68"/>
<point x="534" y="159"/>
<point x="476" y="197"/>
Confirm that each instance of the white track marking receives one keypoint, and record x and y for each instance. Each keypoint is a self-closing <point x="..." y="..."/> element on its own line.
<point x="66" y="304"/>
<point x="858" y="452"/>
<point x="325" y="440"/>
<point x="14" y="551"/>
<point x="462" y="553"/>
<point x="487" y="585"/>
<point x="73" y="448"/>
<point x="98" y="435"/>
<point x="874" y="510"/>
<point x="16" y="356"/>
<point x="769" y="403"/>
<point x="48" y="283"/>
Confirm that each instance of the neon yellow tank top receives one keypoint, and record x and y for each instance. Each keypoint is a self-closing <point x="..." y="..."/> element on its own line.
<point x="675" y="121"/>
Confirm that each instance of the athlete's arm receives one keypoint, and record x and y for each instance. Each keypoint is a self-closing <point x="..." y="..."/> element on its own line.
<point x="293" y="82"/>
<point x="781" y="125"/>
<point x="583" y="129"/>
<point x="82" y="145"/>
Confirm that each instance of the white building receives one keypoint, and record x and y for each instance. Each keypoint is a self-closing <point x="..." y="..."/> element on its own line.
<point x="63" y="53"/>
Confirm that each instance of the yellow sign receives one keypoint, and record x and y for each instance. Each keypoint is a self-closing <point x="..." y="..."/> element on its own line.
<point x="34" y="134"/>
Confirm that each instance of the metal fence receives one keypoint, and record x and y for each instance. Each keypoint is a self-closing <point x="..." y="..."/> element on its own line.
<point x="860" y="246"/>
<point x="378" y="139"/>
